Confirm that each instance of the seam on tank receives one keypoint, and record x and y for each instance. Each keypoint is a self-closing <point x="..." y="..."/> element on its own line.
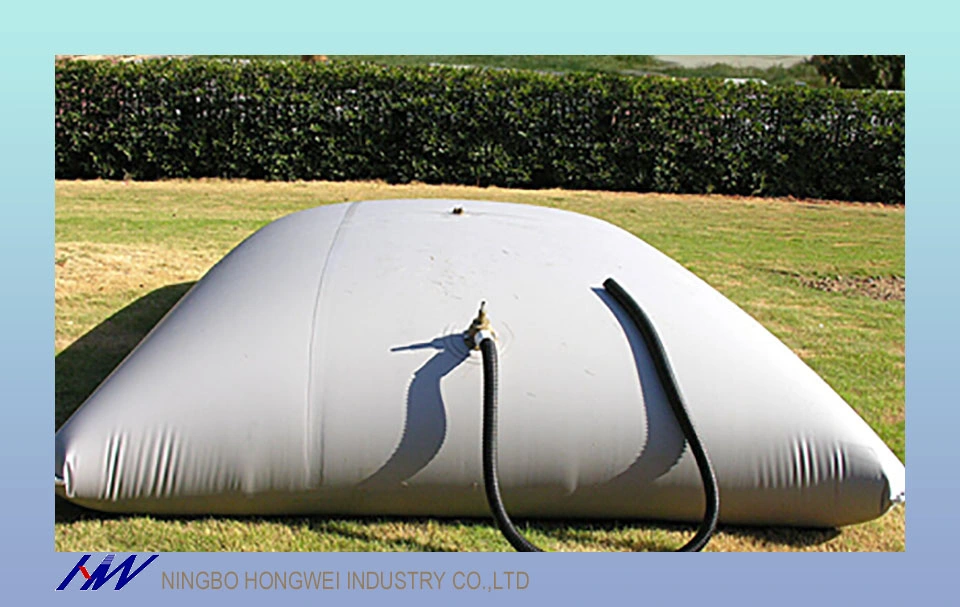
<point x="308" y="419"/>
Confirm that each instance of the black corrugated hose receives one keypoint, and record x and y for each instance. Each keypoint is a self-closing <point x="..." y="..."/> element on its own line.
<point x="491" y="483"/>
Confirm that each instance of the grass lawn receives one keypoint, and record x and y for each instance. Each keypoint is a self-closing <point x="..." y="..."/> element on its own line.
<point x="827" y="278"/>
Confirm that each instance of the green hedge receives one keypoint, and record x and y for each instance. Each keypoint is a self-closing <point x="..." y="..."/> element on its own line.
<point x="289" y="120"/>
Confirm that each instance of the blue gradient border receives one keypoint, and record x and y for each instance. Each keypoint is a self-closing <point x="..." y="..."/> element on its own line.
<point x="35" y="33"/>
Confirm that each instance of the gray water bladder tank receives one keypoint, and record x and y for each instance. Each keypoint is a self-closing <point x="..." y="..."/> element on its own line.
<point x="320" y="367"/>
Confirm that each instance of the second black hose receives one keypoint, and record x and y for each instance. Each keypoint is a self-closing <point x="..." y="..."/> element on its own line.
<point x="665" y="374"/>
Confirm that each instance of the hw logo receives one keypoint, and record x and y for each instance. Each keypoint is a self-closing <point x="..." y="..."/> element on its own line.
<point x="99" y="576"/>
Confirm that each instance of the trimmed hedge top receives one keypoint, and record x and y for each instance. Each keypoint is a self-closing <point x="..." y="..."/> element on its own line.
<point x="290" y="120"/>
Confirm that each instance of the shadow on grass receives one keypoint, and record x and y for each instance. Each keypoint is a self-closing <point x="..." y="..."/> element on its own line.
<point x="788" y="536"/>
<point x="613" y="535"/>
<point x="82" y="366"/>
<point x="86" y="362"/>
<point x="562" y="533"/>
<point x="608" y="536"/>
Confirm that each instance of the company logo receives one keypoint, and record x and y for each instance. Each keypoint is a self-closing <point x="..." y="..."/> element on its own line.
<point x="93" y="580"/>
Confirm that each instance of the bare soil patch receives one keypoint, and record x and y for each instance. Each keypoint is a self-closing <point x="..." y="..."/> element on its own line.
<point x="882" y="288"/>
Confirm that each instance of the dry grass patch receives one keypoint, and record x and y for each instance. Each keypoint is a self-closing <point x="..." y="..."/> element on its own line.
<point x="92" y="280"/>
<point x="84" y="268"/>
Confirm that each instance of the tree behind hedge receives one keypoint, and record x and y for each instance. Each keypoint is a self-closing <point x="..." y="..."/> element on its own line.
<point x="883" y="72"/>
